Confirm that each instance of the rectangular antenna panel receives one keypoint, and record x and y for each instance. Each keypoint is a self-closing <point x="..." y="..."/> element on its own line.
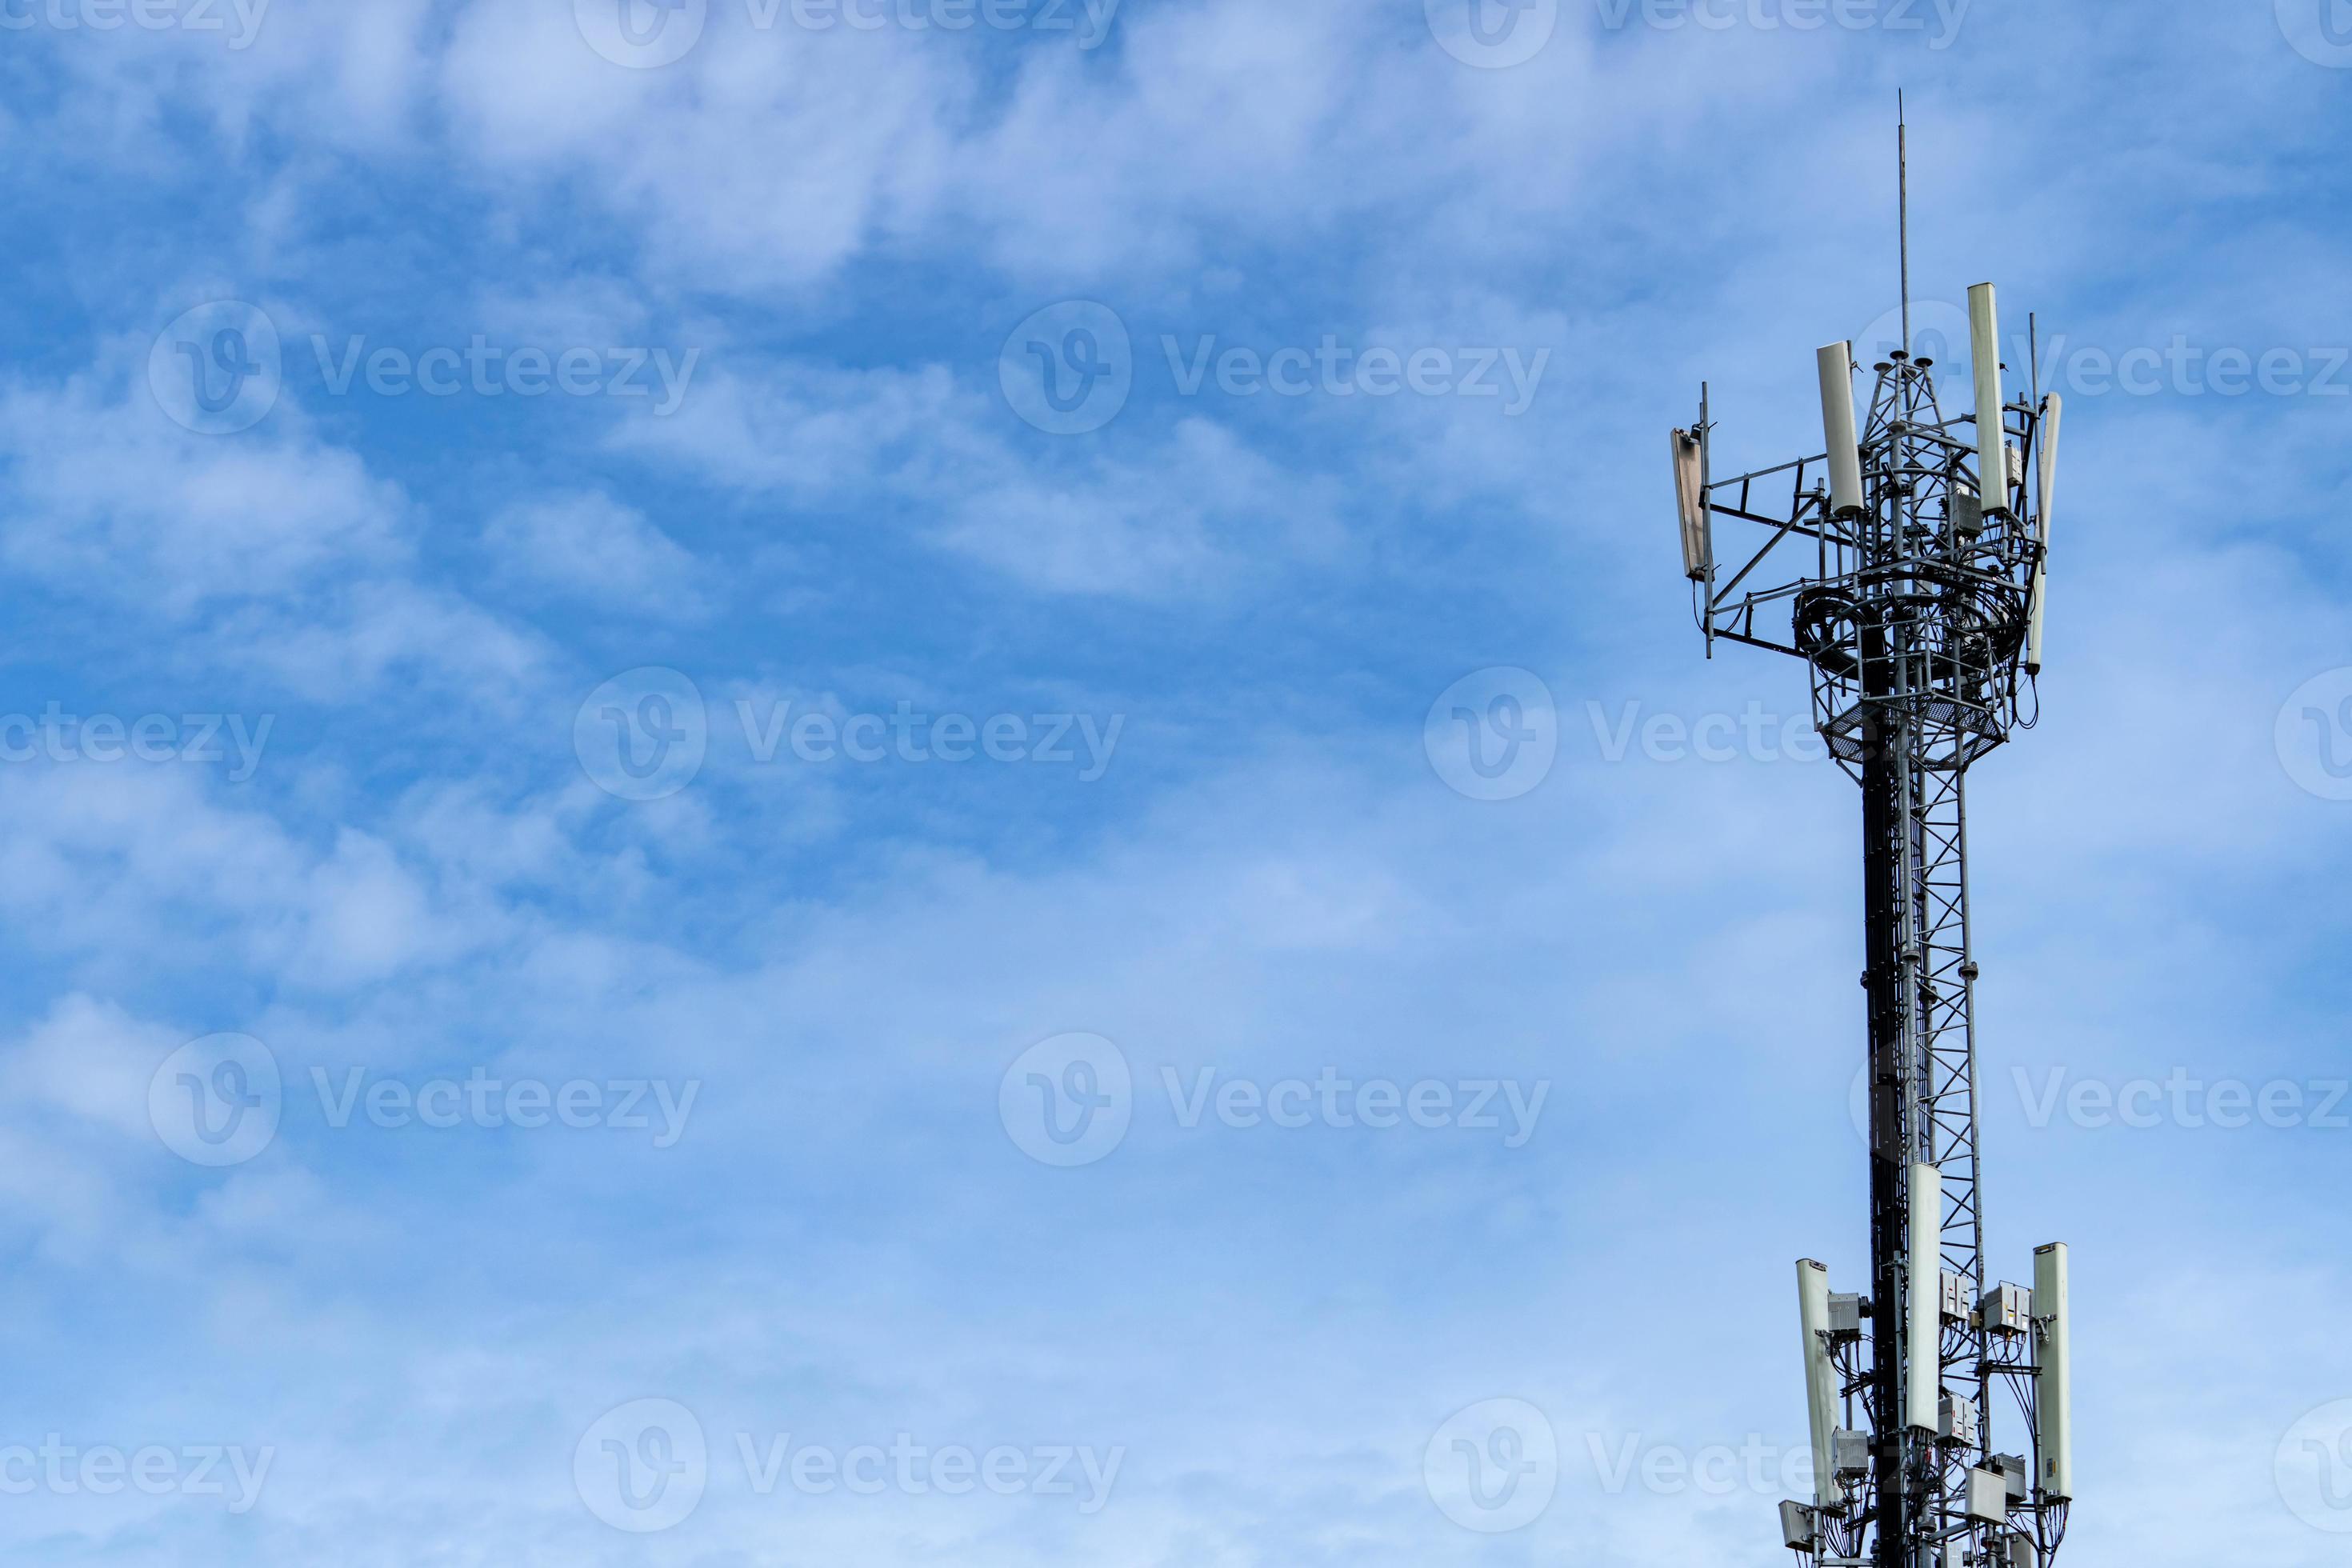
<point x="2054" y="408"/>
<point x="1690" y="502"/>
<point x="1821" y="1380"/>
<point x="1924" y="1346"/>
<point x="1837" y="427"/>
<point x="1992" y="446"/>
<point x="2053" y="1386"/>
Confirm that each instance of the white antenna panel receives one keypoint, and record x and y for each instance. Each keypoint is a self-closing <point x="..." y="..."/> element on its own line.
<point x="2053" y="1383"/>
<point x="1821" y="1380"/>
<point x="2053" y="409"/>
<point x="1837" y="425"/>
<point x="1992" y="446"/>
<point x="1690" y="500"/>
<point x="1924" y="1349"/>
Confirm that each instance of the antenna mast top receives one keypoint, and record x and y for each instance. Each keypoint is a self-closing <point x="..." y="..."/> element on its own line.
<point x="1903" y="210"/>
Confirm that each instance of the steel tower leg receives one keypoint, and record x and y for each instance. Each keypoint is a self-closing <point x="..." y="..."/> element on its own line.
<point x="1882" y="815"/>
<point x="1922" y="1080"/>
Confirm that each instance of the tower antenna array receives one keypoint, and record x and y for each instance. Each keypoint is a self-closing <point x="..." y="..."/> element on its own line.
<point x="1905" y="566"/>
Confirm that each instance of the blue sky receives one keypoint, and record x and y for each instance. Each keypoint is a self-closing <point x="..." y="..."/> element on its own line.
<point x="449" y="1038"/>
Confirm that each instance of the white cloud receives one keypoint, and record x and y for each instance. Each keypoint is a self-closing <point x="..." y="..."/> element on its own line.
<point x="111" y="500"/>
<point x="93" y="1059"/>
<point x="913" y="449"/>
<point x="766" y="159"/>
<point x="587" y="546"/>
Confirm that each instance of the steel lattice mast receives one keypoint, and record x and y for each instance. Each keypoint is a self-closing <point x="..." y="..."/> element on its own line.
<point x="1905" y="566"/>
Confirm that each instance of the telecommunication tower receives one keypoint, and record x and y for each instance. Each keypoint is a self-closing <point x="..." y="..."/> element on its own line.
<point x="1907" y="567"/>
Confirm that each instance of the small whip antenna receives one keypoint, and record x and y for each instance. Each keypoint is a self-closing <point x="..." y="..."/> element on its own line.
<point x="1903" y="209"/>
